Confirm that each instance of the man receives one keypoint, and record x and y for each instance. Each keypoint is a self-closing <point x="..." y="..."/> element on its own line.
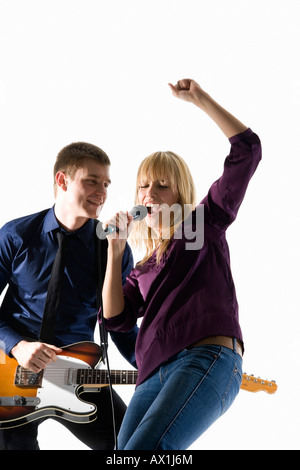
<point x="28" y="247"/>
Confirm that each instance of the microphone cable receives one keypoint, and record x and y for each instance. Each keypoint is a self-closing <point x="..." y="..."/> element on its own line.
<point x="101" y="254"/>
<point x="104" y="346"/>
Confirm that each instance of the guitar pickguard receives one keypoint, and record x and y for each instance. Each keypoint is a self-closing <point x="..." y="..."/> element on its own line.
<point x="55" y="391"/>
<point x="58" y="388"/>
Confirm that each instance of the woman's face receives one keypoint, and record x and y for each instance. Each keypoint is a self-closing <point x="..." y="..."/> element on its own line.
<point x="156" y="196"/>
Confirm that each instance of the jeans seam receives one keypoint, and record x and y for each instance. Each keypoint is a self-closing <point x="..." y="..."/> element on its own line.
<point x="161" y="375"/>
<point x="189" y="398"/>
<point x="234" y="373"/>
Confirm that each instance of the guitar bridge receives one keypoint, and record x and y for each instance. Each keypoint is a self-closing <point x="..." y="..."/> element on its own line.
<point x="27" y="378"/>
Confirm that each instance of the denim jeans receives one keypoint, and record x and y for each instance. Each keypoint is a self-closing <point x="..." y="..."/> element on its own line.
<point x="181" y="399"/>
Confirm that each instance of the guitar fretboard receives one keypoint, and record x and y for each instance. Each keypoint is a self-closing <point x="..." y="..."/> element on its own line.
<point x="96" y="376"/>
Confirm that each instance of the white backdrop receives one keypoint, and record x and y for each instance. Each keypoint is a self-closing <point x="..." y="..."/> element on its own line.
<point x="97" y="71"/>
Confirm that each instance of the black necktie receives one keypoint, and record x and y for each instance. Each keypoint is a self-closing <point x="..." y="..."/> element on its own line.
<point x="53" y="292"/>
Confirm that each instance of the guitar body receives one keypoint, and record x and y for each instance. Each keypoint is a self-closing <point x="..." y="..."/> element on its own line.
<point x="54" y="393"/>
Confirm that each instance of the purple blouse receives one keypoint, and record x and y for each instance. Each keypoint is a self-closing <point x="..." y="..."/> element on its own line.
<point x="190" y="295"/>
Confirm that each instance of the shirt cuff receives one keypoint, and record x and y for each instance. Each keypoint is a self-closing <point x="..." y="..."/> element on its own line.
<point x="117" y="323"/>
<point x="237" y="137"/>
<point x="8" y="343"/>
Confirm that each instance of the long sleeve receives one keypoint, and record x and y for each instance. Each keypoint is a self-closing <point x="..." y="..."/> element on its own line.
<point x="227" y="193"/>
<point x="8" y="337"/>
<point x="126" y="320"/>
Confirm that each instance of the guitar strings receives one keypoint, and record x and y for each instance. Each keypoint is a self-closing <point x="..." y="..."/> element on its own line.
<point x="90" y="376"/>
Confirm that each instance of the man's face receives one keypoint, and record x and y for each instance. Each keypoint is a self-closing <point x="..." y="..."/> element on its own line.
<point x="86" y="192"/>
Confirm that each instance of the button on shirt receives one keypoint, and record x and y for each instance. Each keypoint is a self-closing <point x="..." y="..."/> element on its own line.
<point x="28" y="246"/>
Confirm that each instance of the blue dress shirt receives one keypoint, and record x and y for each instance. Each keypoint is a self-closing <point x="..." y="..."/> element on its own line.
<point x="28" y="246"/>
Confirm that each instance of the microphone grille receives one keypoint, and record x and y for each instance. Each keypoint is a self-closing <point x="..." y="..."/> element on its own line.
<point x="138" y="212"/>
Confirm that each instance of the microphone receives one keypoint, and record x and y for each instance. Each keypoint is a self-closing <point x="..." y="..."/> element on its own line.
<point x="137" y="212"/>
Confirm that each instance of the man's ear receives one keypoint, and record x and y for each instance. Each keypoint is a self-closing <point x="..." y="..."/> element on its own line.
<point x="61" y="180"/>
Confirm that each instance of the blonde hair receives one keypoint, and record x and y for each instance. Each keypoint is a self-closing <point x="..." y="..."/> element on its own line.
<point x="160" y="166"/>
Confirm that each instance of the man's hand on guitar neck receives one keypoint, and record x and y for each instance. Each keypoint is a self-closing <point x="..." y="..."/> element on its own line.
<point x="35" y="356"/>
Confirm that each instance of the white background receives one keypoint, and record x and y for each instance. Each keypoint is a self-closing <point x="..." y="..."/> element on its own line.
<point x="97" y="71"/>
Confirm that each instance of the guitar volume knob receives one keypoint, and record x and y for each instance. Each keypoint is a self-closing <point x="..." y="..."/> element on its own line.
<point x="19" y="400"/>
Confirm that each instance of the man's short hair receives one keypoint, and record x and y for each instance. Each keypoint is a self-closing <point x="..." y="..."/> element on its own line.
<point x="70" y="158"/>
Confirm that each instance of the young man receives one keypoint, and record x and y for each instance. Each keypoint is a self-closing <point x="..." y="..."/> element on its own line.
<point x="28" y="247"/>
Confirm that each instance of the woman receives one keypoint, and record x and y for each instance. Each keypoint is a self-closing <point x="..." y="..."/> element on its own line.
<point x="189" y="348"/>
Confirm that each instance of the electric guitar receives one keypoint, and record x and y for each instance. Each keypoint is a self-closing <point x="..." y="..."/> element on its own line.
<point x="55" y="391"/>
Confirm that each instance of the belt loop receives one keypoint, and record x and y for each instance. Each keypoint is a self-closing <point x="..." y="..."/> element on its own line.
<point x="234" y="344"/>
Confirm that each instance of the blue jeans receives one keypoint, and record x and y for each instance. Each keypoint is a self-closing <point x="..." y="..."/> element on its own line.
<point x="177" y="403"/>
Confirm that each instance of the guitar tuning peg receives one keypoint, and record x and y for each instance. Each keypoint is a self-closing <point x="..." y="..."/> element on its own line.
<point x="273" y="381"/>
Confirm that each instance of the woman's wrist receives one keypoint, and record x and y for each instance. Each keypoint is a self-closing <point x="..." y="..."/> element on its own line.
<point x="115" y="251"/>
<point x="203" y="100"/>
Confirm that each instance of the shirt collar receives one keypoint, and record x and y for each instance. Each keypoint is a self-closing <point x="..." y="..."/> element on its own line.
<point x="85" y="233"/>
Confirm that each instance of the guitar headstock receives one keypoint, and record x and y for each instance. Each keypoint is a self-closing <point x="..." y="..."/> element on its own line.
<point x="256" y="384"/>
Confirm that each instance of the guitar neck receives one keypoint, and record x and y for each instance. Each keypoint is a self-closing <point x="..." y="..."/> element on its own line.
<point x="100" y="377"/>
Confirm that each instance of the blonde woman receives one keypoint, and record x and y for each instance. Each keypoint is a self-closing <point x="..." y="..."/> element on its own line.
<point x="189" y="347"/>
